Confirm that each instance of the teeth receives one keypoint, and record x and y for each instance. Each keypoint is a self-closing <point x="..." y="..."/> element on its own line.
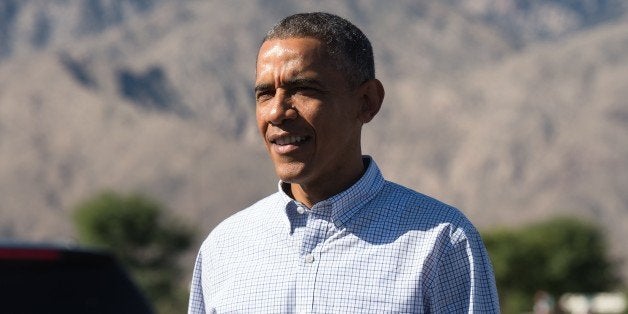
<point x="287" y="140"/>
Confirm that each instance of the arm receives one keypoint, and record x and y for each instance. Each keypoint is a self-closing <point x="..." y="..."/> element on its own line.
<point x="464" y="281"/>
<point x="197" y="303"/>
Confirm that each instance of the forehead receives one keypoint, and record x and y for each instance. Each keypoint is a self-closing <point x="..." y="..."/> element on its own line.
<point x="304" y="46"/>
<point x="289" y="53"/>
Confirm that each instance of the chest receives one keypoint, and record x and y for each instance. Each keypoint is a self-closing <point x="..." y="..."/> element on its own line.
<point x="324" y="269"/>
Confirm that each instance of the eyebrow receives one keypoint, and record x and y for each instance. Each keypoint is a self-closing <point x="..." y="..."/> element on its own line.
<point x="263" y="87"/>
<point x="290" y="83"/>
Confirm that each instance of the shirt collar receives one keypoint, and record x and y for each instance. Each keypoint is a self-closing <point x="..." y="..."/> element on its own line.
<point x="341" y="207"/>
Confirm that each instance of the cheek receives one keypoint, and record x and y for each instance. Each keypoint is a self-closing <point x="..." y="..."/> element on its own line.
<point x="261" y="124"/>
<point x="338" y="128"/>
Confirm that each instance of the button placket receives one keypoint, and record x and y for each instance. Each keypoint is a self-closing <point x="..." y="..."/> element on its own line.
<point x="314" y="235"/>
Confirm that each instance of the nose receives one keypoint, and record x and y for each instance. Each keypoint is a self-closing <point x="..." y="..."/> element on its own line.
<point x="280" y="108"/>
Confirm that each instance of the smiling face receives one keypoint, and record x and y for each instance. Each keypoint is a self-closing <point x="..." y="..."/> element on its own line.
<point x="309" y="117"/>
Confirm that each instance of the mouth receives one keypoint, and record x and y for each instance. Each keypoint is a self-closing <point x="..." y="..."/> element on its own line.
<point x="287" y="144"/>
<point x="289" y="140"/>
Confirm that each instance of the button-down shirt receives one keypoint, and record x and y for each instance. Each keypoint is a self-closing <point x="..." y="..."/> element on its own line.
<point x="376" y="247"/>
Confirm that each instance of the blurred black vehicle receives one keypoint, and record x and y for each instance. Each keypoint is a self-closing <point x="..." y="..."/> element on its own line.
<point x="56" y="279"/>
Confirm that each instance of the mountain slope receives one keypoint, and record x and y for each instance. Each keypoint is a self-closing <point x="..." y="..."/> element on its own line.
<point x="511" y="122"/>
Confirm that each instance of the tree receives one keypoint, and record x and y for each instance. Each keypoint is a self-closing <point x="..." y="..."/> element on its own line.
<point x="557" y="256"/>
<point x="148" y="243"/>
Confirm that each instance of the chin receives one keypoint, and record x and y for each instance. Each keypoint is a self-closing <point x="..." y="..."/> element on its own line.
<point x="290" y="173"/>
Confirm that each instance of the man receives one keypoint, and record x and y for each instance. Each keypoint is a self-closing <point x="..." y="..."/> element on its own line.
<point x="336" y="237"/>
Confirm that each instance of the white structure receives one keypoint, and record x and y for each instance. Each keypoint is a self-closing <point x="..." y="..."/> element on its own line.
<point x="602" y="303"/>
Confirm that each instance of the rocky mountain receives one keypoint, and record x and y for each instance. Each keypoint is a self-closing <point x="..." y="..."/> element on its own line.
<point x="513" y="111"/>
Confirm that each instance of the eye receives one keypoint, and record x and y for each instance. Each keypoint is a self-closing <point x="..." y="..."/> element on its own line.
<point x="306" y="90"/>
<point x="263" y="95"/>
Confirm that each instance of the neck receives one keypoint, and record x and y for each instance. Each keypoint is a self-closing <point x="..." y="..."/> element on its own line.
<point x="313" y="192"/>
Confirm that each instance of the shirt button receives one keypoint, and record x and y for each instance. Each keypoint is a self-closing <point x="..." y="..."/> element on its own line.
<point x="300" y="209"/>
<point x="309" y="258"/>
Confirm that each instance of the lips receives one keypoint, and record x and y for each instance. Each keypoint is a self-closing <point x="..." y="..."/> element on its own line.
<point x="288" y="140"/>
<point x="284" y="144"/>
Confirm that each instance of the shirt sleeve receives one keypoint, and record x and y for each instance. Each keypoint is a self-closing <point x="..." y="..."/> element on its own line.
<point x="197" y="303"/>
<point x="464" y="281"/>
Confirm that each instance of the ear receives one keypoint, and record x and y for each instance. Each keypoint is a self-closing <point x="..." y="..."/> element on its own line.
<point x="372" y="92"/>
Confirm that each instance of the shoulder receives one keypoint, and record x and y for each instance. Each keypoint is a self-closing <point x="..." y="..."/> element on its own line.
<point x="414" y="211"/>
<point x="413" y="203"/>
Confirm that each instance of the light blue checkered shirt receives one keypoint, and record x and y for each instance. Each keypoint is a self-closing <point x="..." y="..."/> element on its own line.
<point x="375" y="248"/>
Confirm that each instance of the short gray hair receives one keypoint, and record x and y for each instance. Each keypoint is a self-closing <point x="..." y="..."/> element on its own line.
<point x="346" y="45"/>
